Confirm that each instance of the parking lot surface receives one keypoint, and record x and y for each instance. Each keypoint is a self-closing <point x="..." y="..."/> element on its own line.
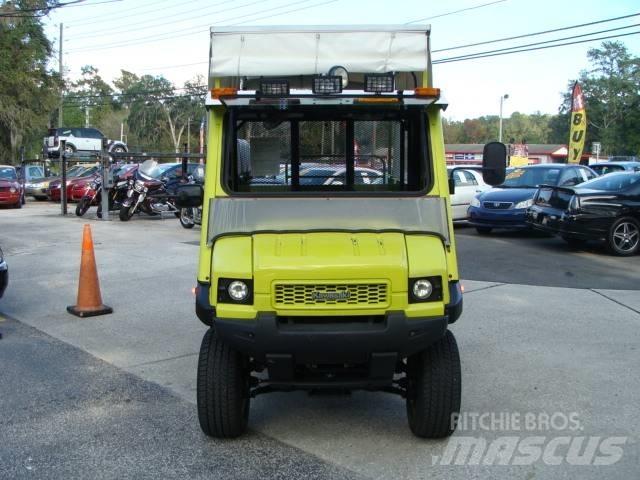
<point x="529" y="345"/>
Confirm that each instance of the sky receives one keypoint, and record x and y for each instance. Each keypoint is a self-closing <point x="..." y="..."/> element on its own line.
<point x="170" y="38"/>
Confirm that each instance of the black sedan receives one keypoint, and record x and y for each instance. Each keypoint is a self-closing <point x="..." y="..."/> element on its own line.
<point x="604" y="209"/>
<point x="4" y="274"/>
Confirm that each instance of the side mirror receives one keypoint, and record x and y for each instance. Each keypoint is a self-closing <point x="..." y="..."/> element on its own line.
<point x="189" y="195"/>
<point x="494" y="163"/>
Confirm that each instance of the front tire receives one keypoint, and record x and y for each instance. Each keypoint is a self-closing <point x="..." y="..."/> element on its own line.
<point x="69" y="149"/>
<point x="433" y="396"/>
<point x="186" y="218"/>
<point x="624" y="237"/>
<point x="83" y="206"/>
<point x="222" y="389"/>
<point x="126" y="213"/>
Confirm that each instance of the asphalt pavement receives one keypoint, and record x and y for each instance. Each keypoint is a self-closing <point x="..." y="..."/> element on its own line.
<point x="65" y="414"/>
<point x="528" y="348"/>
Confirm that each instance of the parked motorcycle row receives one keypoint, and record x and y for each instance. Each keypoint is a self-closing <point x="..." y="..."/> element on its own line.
<point x="148" y="188"/>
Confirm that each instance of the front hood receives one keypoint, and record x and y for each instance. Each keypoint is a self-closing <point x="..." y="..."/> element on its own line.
<point x="9" y="184"/>
<point x="325" y="257"/>
<point x="514" y="195"/>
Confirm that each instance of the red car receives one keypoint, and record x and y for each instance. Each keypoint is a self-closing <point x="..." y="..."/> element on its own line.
<point x="11" y="190"/>
<point x="80" y="185"/>
<point x="80" y="174"/>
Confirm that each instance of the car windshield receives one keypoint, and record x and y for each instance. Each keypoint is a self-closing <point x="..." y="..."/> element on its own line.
<point x="604" y="169"/>
<point x="8" y="173"/>
<point x="613" y="182"/>
<point x="332" y="149"/>
<point x="531" y="177"/>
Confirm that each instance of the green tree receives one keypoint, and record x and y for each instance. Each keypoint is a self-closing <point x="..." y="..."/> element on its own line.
<point x="28" y="89"/>
<point x="90" y="98"/>
<point x="611" y="89"/>
<point x="159" y="114"/>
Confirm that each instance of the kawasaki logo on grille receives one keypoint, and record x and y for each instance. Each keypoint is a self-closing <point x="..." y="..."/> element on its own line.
<point x="342" y="295"/>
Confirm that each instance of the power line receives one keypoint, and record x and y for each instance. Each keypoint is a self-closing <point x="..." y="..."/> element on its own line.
<point x="483" y="55"/>
<point x="282" y="13"/>
<point x="174" y="19"/>
<point x="118" y="15"/>
<point x="180" y="33"/>
<point x="536" y="33"/>
<point x="462" y="57"/>
<point x="19" y="13"/>
<point x="454" y="12"/>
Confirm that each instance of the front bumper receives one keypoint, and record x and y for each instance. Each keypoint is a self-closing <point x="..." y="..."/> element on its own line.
<point x="269" y="336"/>
<point x="509" y="218"/>
<point x="8" y="198"/>
<point x="36" y="192"/>
<point x="329" y="339"/>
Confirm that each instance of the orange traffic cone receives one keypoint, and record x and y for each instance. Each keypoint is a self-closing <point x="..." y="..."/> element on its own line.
<point x="89" y="298"/>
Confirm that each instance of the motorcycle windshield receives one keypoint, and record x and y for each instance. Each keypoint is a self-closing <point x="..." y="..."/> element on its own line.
<point x="149" y="168"/>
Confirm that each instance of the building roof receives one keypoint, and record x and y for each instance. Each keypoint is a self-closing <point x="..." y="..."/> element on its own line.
<point x="534" y="148"/>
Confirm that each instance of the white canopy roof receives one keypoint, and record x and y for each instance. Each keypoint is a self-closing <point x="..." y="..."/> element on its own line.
<point x="284" y="51"/>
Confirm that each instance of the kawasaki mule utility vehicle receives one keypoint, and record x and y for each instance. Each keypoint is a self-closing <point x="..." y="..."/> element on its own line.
<point x="327" y="257"/>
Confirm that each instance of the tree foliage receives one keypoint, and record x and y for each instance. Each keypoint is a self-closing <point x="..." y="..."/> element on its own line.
<point x="28" y="89"/>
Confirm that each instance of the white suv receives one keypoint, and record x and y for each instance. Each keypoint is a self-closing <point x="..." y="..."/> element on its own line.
<point x="79" y="140"/>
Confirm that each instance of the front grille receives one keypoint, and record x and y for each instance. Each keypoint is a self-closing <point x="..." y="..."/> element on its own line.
<point x="4" y="189"/>
<point x="326" y="295"/>
<point x="497" y="205"/>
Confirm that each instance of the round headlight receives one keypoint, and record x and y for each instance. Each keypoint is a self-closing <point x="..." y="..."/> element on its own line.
<point x="422" y="289"/>
<point x="238" y="290"/>
<point x="13" y="190"/>
<point x="341" y="72"/>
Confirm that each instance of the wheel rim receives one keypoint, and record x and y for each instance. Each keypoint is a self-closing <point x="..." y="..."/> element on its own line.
<point x="186" y="215"/>
<point x="626" y="237"/>
<point x="68" y="149"/>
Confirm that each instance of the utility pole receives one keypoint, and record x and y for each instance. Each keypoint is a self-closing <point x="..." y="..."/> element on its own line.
<point x="502" y="99"/>
<point x="189" y="135"/>
<point x="86" y="116"/>
<point x="61" y="79"/>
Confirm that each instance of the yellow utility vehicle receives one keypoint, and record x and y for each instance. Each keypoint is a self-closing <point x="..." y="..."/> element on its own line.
<point x="327" y="256"/>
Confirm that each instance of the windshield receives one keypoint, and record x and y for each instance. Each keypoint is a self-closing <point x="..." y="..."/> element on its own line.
<point x="8" y="173"/>
<point x="612" y="182"/>
<point x="531" y="177"/>
<point x="326" y="150"/>
<point x="604" y="169"/>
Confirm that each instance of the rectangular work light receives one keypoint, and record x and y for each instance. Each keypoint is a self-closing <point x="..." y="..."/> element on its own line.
<point x="274" y="88"/>
<point x="326" y="85"/>
<point x="378" y="82"/>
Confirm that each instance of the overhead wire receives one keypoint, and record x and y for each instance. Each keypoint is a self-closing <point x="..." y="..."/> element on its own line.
<point x="174" y="19"/>
<point x="504" y="39"/>
<point x="200" y="28"/>
<point x="482" y="55"/>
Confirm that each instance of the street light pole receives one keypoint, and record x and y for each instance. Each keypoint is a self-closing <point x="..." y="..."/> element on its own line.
<point x="502" y="99"/>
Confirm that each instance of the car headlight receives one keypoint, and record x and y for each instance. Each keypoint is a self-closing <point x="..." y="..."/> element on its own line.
<point x="238" y="290"/>
<point x="232" y="290"/>
<point x="13" y="189"/>
<point x="475" y="202"/>
<point x="1" y="256"/>
<point x="427" y="289"/>
<point x="422" y="289"/>
<point x="524" y="203"/>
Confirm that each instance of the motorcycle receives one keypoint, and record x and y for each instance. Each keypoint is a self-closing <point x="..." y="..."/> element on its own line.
<point x="93" y="196"/>
<point x="147" y="193"/>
